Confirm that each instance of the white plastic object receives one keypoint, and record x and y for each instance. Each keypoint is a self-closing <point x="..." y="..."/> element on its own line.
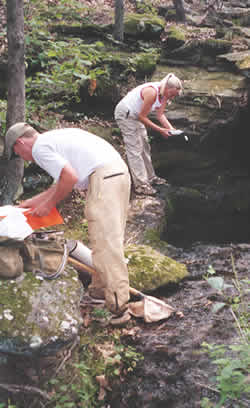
<point x="176" y="132"/>
<point x="80" y="252"/>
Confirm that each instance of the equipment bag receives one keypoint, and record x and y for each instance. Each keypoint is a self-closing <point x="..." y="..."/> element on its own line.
<point x="44" y="257"/>
<point x="11" y="262"/>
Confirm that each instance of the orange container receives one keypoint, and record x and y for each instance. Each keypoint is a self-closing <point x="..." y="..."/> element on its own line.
<point x="36" y="222"/>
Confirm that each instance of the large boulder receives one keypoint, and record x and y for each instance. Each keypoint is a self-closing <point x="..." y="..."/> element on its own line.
<point x="143" y="26"/>
<point x="39" y="317"/>
<point x="150" y="270"/>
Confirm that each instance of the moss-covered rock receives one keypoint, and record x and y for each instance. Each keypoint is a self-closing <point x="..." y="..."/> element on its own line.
<point x="175" y="37"/>
<point x="37" y="315"/>
<point x="197" y="51"/>
<point x="149" y="269"/>
<point x="143" y="26"/>
<point x="213" y="47"/>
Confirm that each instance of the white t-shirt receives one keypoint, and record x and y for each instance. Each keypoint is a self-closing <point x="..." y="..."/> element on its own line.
<point x="84" y="151"/>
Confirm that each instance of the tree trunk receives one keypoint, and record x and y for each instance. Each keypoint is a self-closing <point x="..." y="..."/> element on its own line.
<point x="11" y="172"/>
<point x="119" y="20"/>
<point x="180" y="11"/>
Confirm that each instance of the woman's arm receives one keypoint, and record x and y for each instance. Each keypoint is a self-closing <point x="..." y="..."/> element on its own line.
<point x="149" y="96"/>
<point x="161" y="116"/>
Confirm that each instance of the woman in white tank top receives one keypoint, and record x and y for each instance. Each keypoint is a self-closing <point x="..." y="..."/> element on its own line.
<point x="131" y="115"/>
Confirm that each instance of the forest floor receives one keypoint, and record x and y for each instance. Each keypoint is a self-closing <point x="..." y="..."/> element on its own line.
<point x="177" y="371"/>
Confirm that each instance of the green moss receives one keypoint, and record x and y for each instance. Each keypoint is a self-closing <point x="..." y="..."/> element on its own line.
<point x="22" y="297"/>
<point x="75" y="230"/>
<point x="135" y="23"/>
<point x="149" y="269"/>
<point x="16" y="299"/>
<point x="215" y="46"/>
<point x="171" y="14"/>
<point x="176" y="33"/>
<point x="152" y="237"/>
<point x="145" y="17"/>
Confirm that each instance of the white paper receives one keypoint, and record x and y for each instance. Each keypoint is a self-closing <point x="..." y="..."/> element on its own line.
<point x="14" y="224"/>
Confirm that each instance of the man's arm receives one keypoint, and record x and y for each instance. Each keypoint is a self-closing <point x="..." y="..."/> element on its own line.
<point x="43" y="203"/>
<point x="32" y="202"/>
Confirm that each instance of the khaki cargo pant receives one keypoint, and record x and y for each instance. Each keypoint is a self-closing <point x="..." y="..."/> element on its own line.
<point x="106" y="212"/>
<point x="137" y="147"/>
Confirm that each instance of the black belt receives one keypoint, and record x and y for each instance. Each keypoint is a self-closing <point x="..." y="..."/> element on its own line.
<point x="113" y="175"/>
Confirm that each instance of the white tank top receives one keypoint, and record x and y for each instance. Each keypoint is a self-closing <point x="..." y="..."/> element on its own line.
<point x="134" y="99"/>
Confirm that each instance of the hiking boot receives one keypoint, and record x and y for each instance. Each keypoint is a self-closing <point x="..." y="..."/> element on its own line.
<point x="120" y="320"/>
<point x="145" y="189"/>
<point x="157" y="181"/>
<point x="89" y="299"/>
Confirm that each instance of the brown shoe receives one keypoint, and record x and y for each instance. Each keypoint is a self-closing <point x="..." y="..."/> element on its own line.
<point x="120" y="320"/>
<point x="145" y="189"/>
<point x="86" y="299"/>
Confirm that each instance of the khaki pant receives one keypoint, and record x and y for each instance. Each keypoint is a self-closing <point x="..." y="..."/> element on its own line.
<point x="137" y="147"/>
<point x="106" y="212"/>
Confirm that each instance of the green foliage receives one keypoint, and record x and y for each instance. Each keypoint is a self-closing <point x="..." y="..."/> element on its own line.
<point x="64" y="11"/>
<point x="3" y="110"/>
<point x="101" y="354"/>
<point x="238" y="304"/>
<point x="123" y="361"/>
<point x="233" y="365"/>
<point x="68" y="64"/>
<point x="79" y="391"/>
<point x="146" y="7"/>
<point x="57" y="68"/>
<point x="99" y="313"/>
<point x="232" y="361"/>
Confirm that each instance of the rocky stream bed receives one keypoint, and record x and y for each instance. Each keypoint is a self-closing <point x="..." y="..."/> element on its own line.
<point x="177" y="371"/>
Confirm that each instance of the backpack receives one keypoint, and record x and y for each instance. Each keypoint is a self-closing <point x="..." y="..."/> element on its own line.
<point x="42" y="254"/>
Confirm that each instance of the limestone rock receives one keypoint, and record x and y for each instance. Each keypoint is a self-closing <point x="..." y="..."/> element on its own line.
<point x="149" y="269"/>
<point x="39" y="316"/>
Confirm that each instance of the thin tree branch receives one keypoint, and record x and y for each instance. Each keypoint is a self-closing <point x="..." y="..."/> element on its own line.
<point x="16" y="388"/>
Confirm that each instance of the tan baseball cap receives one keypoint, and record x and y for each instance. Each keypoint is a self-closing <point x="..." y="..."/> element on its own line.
<point x="11" y="136"/>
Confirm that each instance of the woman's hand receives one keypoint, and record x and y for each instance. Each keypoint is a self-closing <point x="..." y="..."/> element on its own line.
<point x="166" y="132"/>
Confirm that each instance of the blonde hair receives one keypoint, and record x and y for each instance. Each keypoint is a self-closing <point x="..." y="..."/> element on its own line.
<point x="170" y="81"/>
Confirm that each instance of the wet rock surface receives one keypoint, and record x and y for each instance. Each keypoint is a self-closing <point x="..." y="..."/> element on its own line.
<point x="176" y="370"/>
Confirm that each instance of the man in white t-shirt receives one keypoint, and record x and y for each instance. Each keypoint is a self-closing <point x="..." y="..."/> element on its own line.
<point x="78" y="159"/>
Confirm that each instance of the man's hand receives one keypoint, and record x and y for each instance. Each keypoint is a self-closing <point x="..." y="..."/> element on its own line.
<point x="27" y="203"/>
<point x="42" y="209"/>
